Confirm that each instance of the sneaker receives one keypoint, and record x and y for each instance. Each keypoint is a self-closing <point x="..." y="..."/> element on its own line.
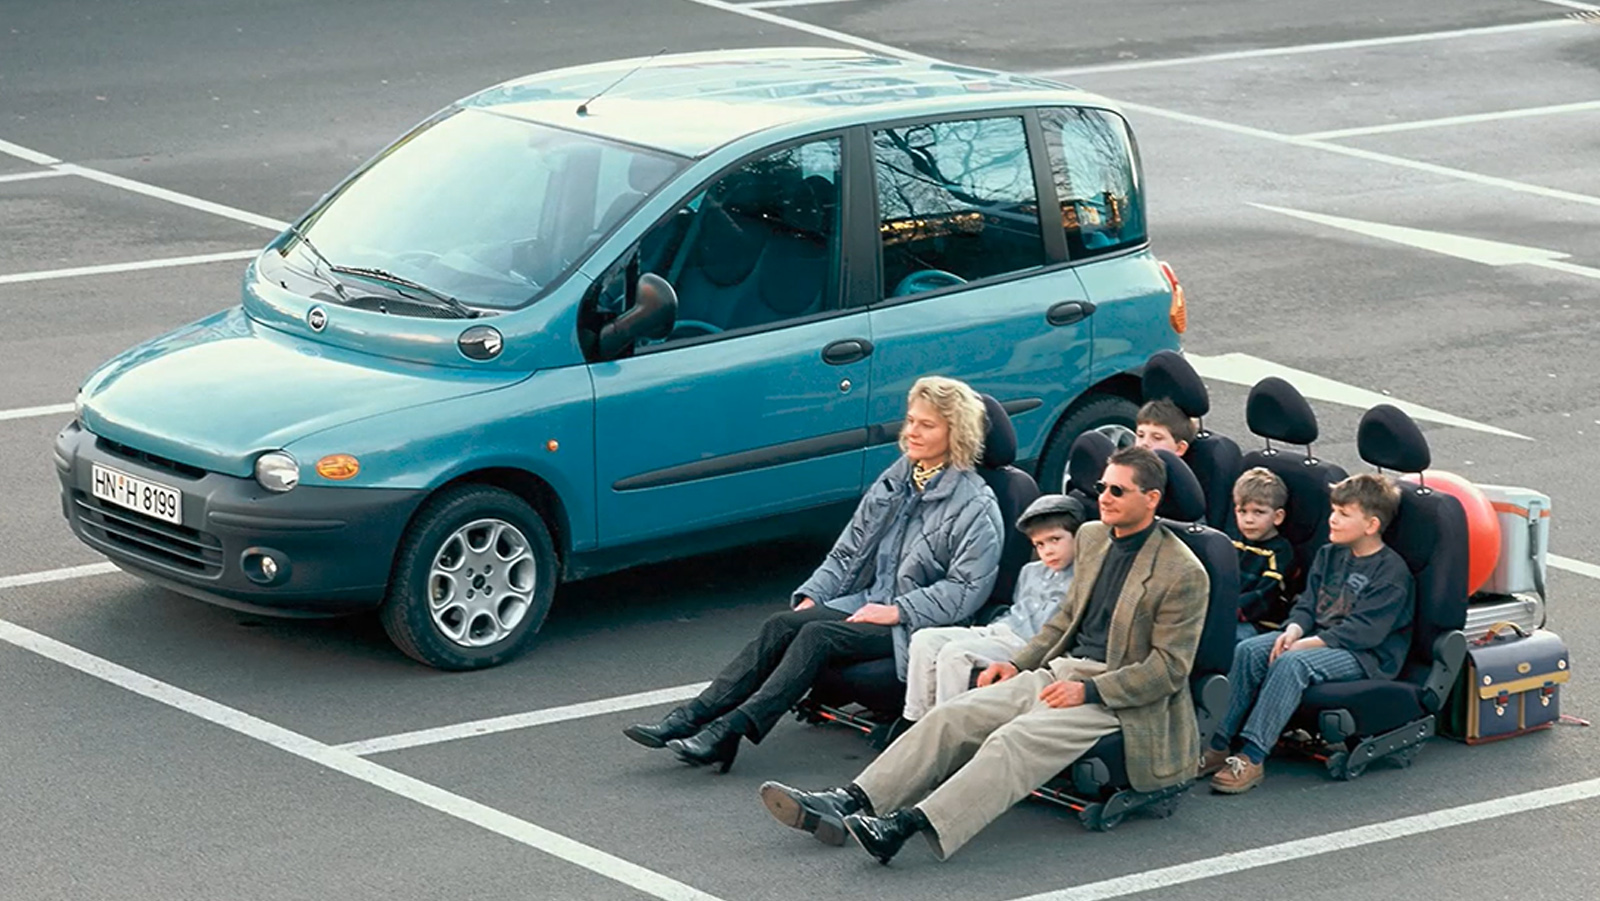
<point x="1212" y="761"/>
<point x="1238" y="776"/>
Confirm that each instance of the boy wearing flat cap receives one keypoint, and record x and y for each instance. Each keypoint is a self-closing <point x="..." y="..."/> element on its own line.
<point x="942" y="660"/>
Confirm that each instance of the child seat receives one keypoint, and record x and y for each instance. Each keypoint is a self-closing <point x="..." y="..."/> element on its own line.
<point x="1214" y="459"/>
<point x="1370" y="719"/>
<point x="1096" y="785"/>
<point x="1276" y="411"/>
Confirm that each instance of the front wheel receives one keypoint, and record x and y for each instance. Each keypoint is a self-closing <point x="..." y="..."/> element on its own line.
<point x="473" y="580"/>
<point x="1108" y="414"/>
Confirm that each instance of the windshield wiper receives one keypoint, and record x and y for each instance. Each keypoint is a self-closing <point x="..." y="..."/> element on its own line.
<point x="444" y="300"/>
<point x="316" y="259"/>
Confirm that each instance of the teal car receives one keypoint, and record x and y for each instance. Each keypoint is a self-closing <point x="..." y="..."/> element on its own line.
<point x="622" y="313"/>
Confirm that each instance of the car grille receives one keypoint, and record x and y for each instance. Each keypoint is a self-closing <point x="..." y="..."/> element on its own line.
<point x="153" y="539"/>
<point x="148" y="459"/>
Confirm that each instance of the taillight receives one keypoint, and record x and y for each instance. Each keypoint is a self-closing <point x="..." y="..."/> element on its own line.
<point x="1178" y="313"/>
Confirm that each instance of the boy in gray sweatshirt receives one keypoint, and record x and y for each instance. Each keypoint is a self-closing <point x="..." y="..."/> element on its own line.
<point x="942" y="659"/>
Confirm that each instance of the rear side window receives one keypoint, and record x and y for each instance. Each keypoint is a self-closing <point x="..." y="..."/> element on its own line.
<point x="1092" y="162"/>
<point x="956" y="203"/>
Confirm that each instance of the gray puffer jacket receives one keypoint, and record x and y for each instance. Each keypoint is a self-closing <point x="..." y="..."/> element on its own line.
<point x="947" y="543"/>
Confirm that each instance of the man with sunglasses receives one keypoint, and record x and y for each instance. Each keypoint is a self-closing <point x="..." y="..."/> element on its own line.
<point x="1116" y="655"/>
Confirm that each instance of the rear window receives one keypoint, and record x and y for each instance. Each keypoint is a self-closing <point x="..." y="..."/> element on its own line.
<point x="1094" y="165"/>
<point x="956" y="202"/>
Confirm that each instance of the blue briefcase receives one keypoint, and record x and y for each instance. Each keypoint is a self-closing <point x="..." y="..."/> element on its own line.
<point x="1511" y="685"/>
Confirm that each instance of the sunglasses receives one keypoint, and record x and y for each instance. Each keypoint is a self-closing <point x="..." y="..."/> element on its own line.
<point x="1116" y="490"/>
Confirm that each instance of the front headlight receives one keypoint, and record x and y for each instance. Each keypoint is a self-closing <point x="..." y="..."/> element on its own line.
<point x="77" y="407"/>
<point x="277" y="471"/>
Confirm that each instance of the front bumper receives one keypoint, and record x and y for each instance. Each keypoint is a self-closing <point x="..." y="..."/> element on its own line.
<point x="331" y="547"/>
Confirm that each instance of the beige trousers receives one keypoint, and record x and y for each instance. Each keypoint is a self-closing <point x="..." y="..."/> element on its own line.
<point x="972" y="758"/>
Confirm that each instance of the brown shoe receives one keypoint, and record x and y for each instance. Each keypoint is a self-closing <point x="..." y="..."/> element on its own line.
<point x="1238" y="776"/>
<point x="1212" y="761"/>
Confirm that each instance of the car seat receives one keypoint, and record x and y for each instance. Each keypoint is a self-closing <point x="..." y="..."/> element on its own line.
<point x="874" y="684"/>
<point x="1356" y="723"/>
<point x="1086" y="463"/>
<point x="1214" y="459"/>
<point x="1096" y="784"/>
<point x="1276" y="411"/>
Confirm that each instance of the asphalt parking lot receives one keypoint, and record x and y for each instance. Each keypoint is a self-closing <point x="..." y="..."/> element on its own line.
<point x="1337" y="187"/>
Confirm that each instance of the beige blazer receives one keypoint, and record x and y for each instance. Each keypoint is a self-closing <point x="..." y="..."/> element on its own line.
<point x="1150" y="649"/>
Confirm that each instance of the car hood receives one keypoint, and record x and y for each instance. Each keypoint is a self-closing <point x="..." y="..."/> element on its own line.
<point x="218" y="393"/>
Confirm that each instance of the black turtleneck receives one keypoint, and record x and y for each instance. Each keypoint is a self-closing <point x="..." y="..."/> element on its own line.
<point x="1090" y="642"/>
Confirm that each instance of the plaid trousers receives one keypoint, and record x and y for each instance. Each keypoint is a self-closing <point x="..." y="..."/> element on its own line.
<point x="1268" y="693"/>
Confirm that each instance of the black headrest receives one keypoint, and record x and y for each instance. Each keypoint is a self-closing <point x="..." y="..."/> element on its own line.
<point x="1000" y="439"/>
<point x="1086" y="460"/>
<point x="1182" y="499"/>
<point x="1389" y="439"/>
<point x="1168" y="375"/>
<point x="1278" y="412"/>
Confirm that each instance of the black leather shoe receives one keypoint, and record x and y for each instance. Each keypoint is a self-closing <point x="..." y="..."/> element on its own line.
<point x="819" y="813"/>
<point x="715" y="744"/>
<point x="882" y="837"/>
<point x="680" y="723"/>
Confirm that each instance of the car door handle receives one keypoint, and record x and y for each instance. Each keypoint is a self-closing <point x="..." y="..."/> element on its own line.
<point x="846" y="350"/>
<point x="1069" y="311"/>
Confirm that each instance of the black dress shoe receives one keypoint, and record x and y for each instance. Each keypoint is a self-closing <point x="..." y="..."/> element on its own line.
<point x="882" y="837"/>
<point x="680" y="723"/>
<point x="715" y="744"/>
<point x="819" y="813"/>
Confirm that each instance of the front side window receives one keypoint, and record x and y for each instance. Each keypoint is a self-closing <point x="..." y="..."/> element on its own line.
<point x="757" y="247"/>
<point x="487" y="209"/>
<point x="956" y="203"/>
<point x="1092" y="163"/>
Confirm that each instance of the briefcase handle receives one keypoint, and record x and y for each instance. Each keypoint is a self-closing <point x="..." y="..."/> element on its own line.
<point x="1495" y="630"/>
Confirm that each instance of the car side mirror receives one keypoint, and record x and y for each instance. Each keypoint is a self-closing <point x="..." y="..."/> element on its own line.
<point x="654" y="309"/>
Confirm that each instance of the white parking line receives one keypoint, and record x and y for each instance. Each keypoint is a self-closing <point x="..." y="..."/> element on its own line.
<point x="760" y="15"/>
<point x="139" y="187"/>
<point x="194" y="203"/>
<point x="57" y="575"/>
<point x="412" y="789"/>
<point x="109" y="268"/>
<point x="30" y="176"/>
<point x="1572" y="4"/>
<point x="1573" y="566"/>
<point x="29" y="412"/>
<point x="523" y="720"/>
<point x="1295" y="50"/>
<point x="1244" y="369"/>
<point x="1446" y="121"/>
<point x="23" y="153"/>
<point x="1343" y="840"/>
<point x="1369" y="155"/>
<point x="779" y="4"/>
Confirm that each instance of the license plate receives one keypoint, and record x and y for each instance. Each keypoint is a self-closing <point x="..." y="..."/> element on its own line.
<point x="141" y="496"/>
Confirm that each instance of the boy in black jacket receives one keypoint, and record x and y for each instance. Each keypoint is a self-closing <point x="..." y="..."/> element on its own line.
<point x="1259" y="498"/>
<point x="1352" y="622"/>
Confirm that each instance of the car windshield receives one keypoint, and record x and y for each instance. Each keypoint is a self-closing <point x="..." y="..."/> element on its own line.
<point x="486" y="209"/>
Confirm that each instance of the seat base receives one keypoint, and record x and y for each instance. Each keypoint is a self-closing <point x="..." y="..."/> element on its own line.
<point x="1104" y="815"/>
<point x="879" y="730"/>
<point x="1399" y="746"/>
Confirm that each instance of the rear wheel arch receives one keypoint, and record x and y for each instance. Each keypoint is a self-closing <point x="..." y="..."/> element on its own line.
<point x="1113" y="401"/>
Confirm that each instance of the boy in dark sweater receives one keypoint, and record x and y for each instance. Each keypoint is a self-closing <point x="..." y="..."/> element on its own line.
<point x="1259" y="499"/>
<point x="1353" y="621"/>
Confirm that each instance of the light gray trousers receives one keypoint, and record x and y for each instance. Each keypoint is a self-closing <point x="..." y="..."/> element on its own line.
<point x="970" y="759"/>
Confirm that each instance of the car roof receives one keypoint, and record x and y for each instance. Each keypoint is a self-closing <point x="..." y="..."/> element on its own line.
<point x="692" y="103"/>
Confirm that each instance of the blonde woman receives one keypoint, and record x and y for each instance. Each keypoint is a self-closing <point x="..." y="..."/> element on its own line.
<point x="923" y="549"/>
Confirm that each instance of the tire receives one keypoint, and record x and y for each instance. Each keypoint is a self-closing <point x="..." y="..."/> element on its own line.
<point x="489" y="556"/>
<point x="1095" y="411"/>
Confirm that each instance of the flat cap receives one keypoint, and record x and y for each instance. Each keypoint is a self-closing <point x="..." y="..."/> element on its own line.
<point x="1053" y="505"/>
